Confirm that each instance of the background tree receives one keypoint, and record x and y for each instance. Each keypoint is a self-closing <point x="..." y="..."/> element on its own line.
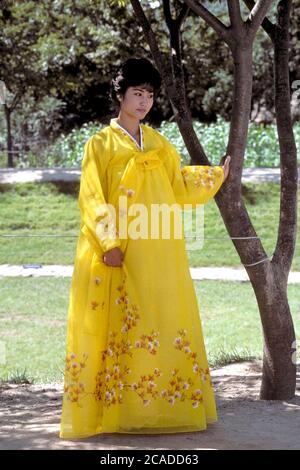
<point x="57" y="59"/>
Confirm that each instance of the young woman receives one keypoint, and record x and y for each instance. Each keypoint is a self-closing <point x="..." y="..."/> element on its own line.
<point x="136" y="359"/>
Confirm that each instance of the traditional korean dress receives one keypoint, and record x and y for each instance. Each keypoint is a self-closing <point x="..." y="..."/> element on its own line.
<point x="136" y="359"/>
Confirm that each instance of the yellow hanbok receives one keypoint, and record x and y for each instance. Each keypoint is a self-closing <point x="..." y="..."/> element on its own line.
<point x="136" y="359"/>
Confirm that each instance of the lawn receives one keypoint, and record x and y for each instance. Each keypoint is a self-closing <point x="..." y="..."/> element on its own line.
<point x="33" y="313"/>
<point x="40" y="222"/>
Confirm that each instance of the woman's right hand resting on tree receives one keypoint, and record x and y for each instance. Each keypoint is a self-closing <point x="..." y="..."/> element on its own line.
<point x="113" y="257"/>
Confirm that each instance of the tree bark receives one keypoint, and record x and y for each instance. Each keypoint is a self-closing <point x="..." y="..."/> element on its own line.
<point x="268" y="278"/>
<point x="9" y="142"/>
<point x="269" y="283"/>
<point x="279" y="370"/>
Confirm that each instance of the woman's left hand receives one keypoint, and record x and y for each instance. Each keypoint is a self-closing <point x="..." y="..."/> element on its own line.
<point x="225" y="166"/>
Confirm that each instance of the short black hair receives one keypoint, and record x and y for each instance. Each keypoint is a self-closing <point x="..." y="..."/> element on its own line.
<point x="133" y="72"/>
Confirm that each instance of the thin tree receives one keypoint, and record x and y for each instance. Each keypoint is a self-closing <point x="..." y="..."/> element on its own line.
<point x="267" y="276"/>
<point x="287" y="230"/>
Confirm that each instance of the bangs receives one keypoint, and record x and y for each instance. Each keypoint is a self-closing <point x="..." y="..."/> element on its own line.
<point x="145" y="86"/>
<point x="136" y="73"/>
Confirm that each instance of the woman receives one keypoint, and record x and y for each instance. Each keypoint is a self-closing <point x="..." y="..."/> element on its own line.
<point x="136" y="360"/>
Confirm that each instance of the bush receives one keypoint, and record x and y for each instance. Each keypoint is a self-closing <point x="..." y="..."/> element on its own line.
<point x="262" y="148"/>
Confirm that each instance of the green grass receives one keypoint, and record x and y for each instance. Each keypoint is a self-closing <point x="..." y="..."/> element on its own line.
<point x="33" y="324"/>
<point x="262" y="203"/>
<point x="231" y="326"/>
<point x="51" y="209"/>
<point x="33" y="327"/>
<point x="32" y="209"/>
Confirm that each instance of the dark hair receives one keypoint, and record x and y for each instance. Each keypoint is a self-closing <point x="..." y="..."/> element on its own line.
<point x="134" y="72"/>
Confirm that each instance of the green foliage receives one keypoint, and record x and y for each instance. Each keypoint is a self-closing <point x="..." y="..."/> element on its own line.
<point x="65" y="51"/>
<point x="262" y="147"/>
<point x="58" y="59"/>
<point x="67" y="151"/>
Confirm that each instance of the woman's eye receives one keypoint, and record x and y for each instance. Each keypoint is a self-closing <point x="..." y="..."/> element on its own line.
<point x="139" y="94"/>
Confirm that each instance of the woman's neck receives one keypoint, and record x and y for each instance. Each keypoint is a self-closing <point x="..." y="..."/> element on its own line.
<point x="131" y="125"/>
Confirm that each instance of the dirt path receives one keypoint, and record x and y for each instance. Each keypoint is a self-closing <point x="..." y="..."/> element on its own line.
<point x="24" y="175"/>
<point x="29" y="419"/>
<point x="58" y="270"/>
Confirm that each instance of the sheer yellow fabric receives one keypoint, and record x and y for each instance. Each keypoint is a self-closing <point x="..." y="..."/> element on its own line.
<point x="135" y="359"/>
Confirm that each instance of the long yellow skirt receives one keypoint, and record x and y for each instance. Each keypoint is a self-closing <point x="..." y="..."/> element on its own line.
<point x="136" y="359"/>
<point x="146" y="371"/>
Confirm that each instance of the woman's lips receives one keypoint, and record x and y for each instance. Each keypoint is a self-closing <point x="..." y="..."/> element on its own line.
<point x="142" y="110"/>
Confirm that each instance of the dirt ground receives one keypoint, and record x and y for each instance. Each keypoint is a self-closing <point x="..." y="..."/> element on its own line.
<point x="30" y="414"/>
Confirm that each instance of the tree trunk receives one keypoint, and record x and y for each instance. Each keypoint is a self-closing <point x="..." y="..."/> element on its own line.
<point x="279" y="371"/>
<point x="269" y="284"/>
<point x="268" y="278"/>
<point x="9" y="142"/>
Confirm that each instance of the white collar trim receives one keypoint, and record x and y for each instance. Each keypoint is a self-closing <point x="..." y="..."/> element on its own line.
<point x="141" y="147"/>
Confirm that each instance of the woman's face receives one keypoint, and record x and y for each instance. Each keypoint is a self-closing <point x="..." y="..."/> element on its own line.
<point x="137" y="101"/>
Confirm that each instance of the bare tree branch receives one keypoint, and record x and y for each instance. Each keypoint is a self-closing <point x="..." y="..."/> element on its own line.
<point x="183" y="14"/>
<point x="268" y="26"/>
<point x="16" y="100"/>
<point x="179" y="99"/>
<point x="223" y="30"/>
<point x="235" y="14"/>
<point x="167" y="13"/>
<point x="168" y="16"/>
<point x="257" y="14"/>
<point x="287" y="233"/>
<point x="150" y="37"/>
<point x="175" y="44"/>
<point x="285" y="230"/>
<point x="172" y="74"/>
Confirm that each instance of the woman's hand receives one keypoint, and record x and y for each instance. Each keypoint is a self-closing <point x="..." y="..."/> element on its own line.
<point x="226" y="162"/>
<point x="113" y="257"/>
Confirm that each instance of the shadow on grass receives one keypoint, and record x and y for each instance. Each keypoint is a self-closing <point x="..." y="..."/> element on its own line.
<point x="253" y="192"/>
<point x="5" y="187"/>
<point x="70" y="188"/>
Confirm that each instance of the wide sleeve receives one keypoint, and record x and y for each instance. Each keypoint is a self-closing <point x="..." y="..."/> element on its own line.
<point x="97" y="217"/>
<point x="192" y="184"/>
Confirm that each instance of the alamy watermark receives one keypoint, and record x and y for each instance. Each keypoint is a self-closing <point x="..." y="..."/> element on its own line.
<point x="162" y="222"/>
<point x="296" y="87"/>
